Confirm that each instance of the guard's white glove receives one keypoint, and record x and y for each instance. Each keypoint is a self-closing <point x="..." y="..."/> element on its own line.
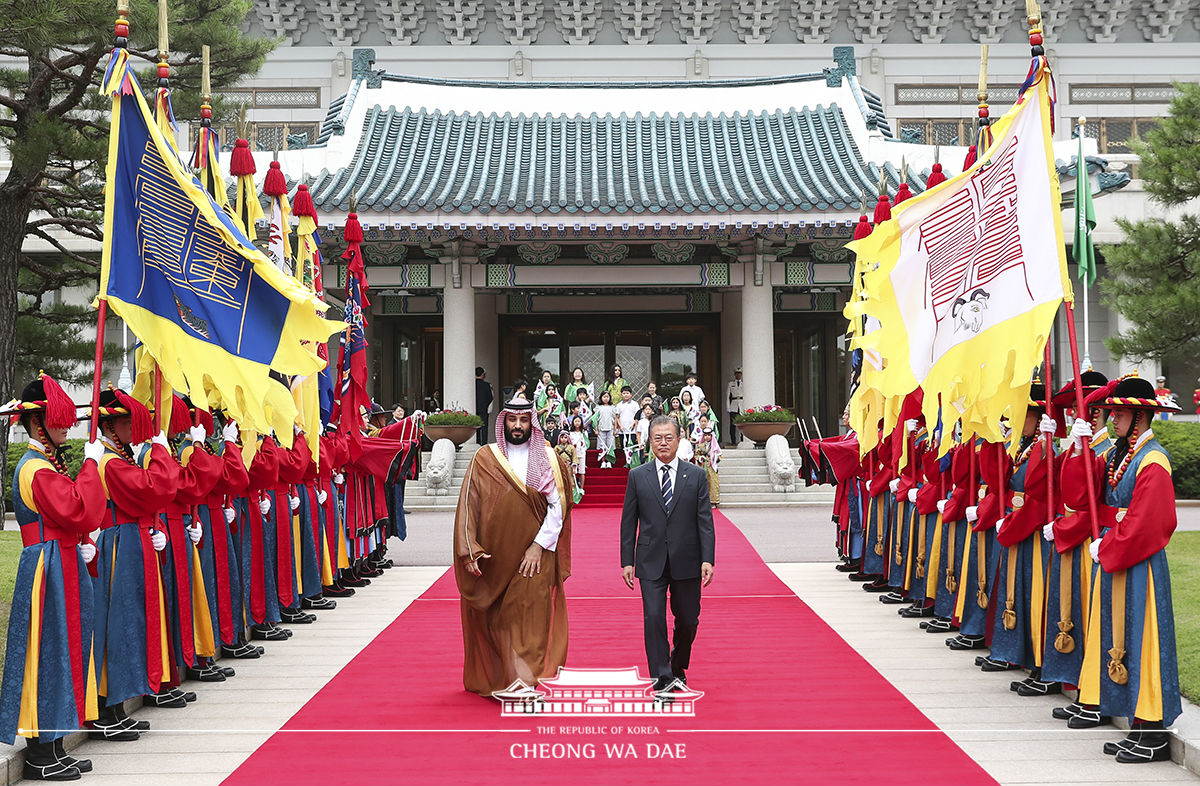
<point x="419" y="414"/>
<point x="264" y="505"/>
<point x="1095" y="550"/>
<point x="194" y="533"/>
<point x="88" y="551"/>
<point x="912" y="495"/>
<point x="339" y="478"/>
<point x="1000" y="524"/>
<point x="910" y="425"/>
<point x="293" y="502"/>
<point x="972" y="513"/>
<point x="1080" y="429"/>
<point x="230" y="432"/>
<point x="161" y="439"/>
<point x="93" y="450"/>
<point x="197" y="434"/>
<point x="894" y="485"/>
<point x="1048" y="425"/>
<point x="942" y="505"/>
<point x="230" y="515"/>
<point x="158" y="540"/>
<point x="322" y="495"/>
<point x="1048" y="532"/>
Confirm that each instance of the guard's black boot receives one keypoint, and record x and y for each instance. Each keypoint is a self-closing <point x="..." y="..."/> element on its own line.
<point x="1066" y="713"/>
<point x="60" y="753"/>
<point x="112" y="726"/>
<point x="336" y="590"/>
<point x="130" y="723"/>
<point x="1036" y="686"/>
<point x="961" y="642"/>
<point x="205" y="671"/>
<point x="1153" y="744"/>
<point x="1088" y="718"/>
<point x="241" y="650"/>
<point x="166" y="697"/>
<point x="269" y="633"/>
<point x="1131" y="739"/>
<point x="318" y="602"/>
<point x="296" y="617"/>
<point x="892" y="598"/>
<point x="877" y="584"/>
<point x="42" y="765"/>
<point x="853" y="566"/>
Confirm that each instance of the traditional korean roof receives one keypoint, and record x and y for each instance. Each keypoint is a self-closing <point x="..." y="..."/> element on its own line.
<point x="779" y="144"/>
<point x="597" y="678"/>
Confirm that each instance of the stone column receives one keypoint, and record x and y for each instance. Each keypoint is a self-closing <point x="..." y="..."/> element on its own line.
<point x="758" y="337"/>
<point x="731" y="350"/>
<point x="458" y="336"/>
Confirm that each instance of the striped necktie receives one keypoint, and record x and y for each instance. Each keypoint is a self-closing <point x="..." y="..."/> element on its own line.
<point x="666" y="485"/>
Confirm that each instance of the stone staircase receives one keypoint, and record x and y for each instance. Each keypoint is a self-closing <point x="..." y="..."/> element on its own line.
<point x="744" y="484"/>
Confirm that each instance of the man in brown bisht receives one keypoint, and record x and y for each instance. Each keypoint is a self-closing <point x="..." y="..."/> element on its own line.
<point x="512" y="553"/>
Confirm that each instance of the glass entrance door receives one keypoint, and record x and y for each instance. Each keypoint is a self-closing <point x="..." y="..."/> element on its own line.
<point x="633" y="355"/>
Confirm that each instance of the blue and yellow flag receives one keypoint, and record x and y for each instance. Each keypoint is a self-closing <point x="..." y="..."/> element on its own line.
<point x="207" y="305"/>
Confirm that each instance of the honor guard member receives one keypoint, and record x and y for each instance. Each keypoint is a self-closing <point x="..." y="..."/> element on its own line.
<point x="733" y="403"/>
<point x="1069" y="579"/>
<point x="49" y="685"/>
<point x="131" y="640"/>
<point x="1129" y="667"/>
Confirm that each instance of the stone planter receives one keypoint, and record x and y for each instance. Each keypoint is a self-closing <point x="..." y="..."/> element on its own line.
<point x="759" y="433"/>
<point x="456" y="434"/>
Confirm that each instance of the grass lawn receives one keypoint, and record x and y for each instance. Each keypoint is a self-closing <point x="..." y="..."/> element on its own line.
<point x="10" y="552"/>
<point x="1184" y="557"/>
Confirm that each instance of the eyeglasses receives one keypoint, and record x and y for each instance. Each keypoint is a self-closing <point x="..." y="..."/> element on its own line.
<point x="663" y="439"/>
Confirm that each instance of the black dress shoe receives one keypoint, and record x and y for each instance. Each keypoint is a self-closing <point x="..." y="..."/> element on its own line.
<point x="355" y="581"/>
<point x="227" y="671"/>
<point x="164" y="699"/>
<point x="991" y="664"/>
<point x="939" y="626"/>
<point x="877" y="585"/>
<point x="1065" y="713"/>
<point x="241" y="651"/>
<point x="114" y="731"/>
<point x="318" y="602"/>
<point x="206" y="674"/>
<point x="268" y="633"/>
<point x="1032" y="687"/>
<point x="1113" y="748"/>
<point x="52" y="771"/>
<point x="860" y="576"/>
<point x="1088" y="719"/>
<point x="188" y="696"/>
<point x="848" y="567"/>
<point x="892" y="598"/>
<point x="1153" y="746"/>
<point x="961" y="642"/>
<point x="338" y="591"/>
<point x="60" y="753"/>
<point x="916" y="612"/>
<point x="293" y="617"/>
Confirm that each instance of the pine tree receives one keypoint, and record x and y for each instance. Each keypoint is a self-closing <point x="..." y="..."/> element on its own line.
<point x="1154" y="275"/>
<point x="54" y="125"/>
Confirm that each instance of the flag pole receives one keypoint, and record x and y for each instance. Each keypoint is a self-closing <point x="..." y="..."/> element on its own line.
<point x="121" y="34"/>
<point x="1082" y="172"/>
<point x="1033" y="16"/>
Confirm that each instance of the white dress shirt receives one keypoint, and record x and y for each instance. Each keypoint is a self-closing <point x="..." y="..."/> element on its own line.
<point x="658" y="470"/>
<point x="547" y="537"/>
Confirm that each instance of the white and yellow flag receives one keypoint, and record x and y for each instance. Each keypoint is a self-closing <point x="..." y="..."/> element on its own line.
<point x="965" y="281"/>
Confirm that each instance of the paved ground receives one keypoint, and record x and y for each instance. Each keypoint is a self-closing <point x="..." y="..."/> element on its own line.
<point x="1013" y="738"/>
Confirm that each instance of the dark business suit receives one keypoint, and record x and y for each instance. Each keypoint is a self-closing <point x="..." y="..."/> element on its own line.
<point x="666" y="546"/>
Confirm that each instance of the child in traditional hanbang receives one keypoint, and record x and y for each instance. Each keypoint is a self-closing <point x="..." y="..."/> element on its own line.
<point x="708" y="456"/>
<point x="643" y="435"/>
<point x="627" y="414"/>
<point x="579" y="439"/>
<point x="606" y="423"/>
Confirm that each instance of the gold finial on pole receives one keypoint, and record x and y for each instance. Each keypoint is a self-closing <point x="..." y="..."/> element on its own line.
<point x="903" y="169"/>
<point x="883" y="179"/>
<point x="122" y="8"/>
<point x="205" y="76"/>
<point x="1033" y="14"/>
<point x="354" y="201"/>
<point x="164" y="46"/>
<point x="983" y="81"/>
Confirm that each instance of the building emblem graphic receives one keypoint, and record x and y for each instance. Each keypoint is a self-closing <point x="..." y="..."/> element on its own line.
<point x="621" y="692"/>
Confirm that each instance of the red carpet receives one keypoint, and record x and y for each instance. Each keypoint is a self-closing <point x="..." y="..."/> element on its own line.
<point x="604" y="487"/>
<point x="786" y="700"/>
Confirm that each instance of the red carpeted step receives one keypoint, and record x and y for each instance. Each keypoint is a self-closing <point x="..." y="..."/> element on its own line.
<point x="786" y="700"/>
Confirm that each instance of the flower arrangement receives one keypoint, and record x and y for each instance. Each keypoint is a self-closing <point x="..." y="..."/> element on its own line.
<point x="453" y="417"/>
<point x="770" y="413"/>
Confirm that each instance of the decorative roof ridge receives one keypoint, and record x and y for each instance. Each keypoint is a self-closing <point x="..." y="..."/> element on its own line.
<point x="778" y="79"/>
<point x="735" y="116"/>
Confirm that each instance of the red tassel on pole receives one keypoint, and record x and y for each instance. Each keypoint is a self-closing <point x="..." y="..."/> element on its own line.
<point x="862" y="228"/>
<point x="302" y="205"/>
<point x="241" y="161"/>
<point x="275" y="184"/>
<point x="883" y="209"/>
<point x="936" y="177"/>
<point x="902" y="193"/>
<point x="60" y="410"/>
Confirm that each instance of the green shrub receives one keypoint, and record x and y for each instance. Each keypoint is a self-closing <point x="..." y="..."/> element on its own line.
<point x="451" y="418"/>
<point x="17" y="449"/>
<point x="1182" y="441"/>
<point x="771" y="413"/>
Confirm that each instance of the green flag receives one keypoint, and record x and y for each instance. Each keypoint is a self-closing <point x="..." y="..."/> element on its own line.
<point x="1085" y="221"/>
